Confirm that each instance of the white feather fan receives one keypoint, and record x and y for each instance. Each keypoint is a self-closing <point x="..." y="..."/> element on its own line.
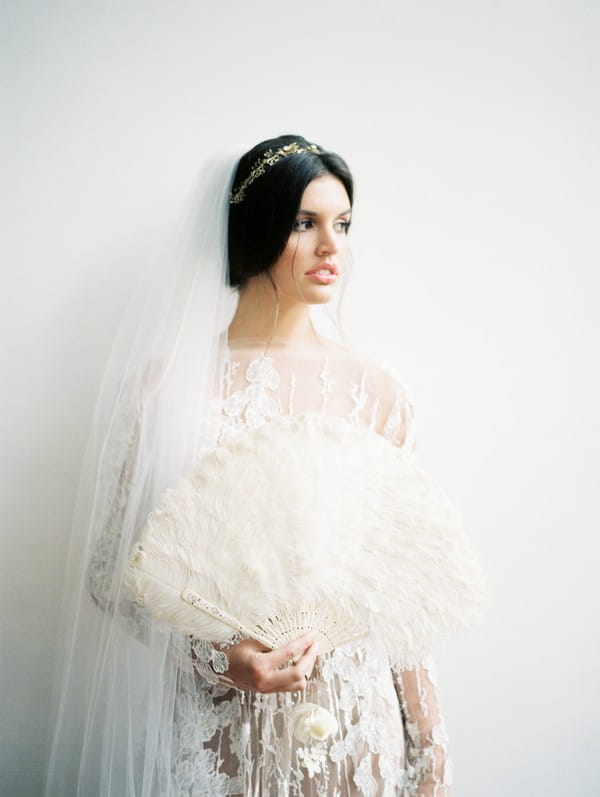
<point x="309" y="522"/>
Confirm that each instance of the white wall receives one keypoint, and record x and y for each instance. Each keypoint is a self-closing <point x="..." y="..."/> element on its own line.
<point x="473" y="130"/>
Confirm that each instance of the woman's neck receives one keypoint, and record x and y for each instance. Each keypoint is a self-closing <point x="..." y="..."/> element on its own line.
<point x="259" y="315"/>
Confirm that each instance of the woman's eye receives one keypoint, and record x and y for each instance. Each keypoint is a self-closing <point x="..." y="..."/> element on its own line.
<point x="303" y="224"/>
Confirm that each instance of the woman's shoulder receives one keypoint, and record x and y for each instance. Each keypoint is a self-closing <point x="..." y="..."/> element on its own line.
<point x="392" y="396"/>
<point x="384" y="378"/>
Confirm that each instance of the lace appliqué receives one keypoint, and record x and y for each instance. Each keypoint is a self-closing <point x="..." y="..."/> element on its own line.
<point x="208" y="661"/>
<point x="428" y="765"/>
<point x="359" y="398"/>
<point x="399" y="427"/>
<point x="313" y="758"/>
<point x="252" y="405"/>
<point x="108" y="555"/>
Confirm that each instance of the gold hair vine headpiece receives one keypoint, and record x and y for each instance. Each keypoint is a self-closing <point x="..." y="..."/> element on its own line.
<point x="270" y="158"/>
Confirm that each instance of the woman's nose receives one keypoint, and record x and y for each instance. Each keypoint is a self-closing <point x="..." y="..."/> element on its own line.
<point x="327" y="242"/>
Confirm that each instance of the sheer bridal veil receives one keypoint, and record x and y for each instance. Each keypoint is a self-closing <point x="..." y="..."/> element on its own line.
<point x="116" y="674"/>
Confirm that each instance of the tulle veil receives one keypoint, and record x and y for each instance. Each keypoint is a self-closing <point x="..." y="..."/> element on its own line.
<point x="116" y="673"/>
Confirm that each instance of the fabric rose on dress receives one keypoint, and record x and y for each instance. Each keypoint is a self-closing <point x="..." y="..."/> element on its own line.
<point x="310" y="721"/>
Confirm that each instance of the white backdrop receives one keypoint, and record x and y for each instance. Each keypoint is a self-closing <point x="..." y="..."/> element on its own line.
<point x="473" y="131"/>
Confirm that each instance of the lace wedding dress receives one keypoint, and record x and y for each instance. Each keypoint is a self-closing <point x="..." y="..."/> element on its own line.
<point x="391" y="739"/>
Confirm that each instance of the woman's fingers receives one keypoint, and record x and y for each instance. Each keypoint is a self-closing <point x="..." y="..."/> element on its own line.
<point x="295" y="677"/>
<point x="285" y="669"/>
<point x="293" y="664"/>
<point x="292" y="651"/>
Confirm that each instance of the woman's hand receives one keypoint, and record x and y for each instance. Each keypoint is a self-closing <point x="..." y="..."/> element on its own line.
<point x="255" y="668"/>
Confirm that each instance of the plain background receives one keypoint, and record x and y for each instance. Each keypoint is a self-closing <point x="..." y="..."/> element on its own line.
<point x="473" y="130"/>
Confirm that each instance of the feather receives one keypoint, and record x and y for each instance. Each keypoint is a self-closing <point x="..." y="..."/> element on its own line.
<point x="309" y="522"/>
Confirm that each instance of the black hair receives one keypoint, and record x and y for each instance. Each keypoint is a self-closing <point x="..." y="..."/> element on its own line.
<point x="261" y="223"/>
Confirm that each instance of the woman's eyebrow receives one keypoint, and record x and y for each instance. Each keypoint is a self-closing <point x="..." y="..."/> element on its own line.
<point x="303" y="212"/>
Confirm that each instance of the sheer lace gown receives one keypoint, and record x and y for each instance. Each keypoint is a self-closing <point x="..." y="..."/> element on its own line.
<point x="391" y="739"/>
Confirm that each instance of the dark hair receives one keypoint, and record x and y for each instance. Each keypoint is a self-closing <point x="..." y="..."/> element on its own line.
<point x="261" y="222"/>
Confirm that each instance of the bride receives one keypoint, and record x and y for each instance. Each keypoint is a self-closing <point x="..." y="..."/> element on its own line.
<point x="144" y="709"/>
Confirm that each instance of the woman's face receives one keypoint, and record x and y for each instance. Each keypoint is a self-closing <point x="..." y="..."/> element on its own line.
<point x="315" y="255"/>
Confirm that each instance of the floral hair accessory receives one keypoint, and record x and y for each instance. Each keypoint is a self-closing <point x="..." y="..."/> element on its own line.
<point x="270" y="158"/>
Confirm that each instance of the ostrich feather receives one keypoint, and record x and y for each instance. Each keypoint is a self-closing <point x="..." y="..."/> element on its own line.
<point x="306" y="523"/>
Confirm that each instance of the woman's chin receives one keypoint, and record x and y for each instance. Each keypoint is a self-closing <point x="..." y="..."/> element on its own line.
<point x="319" y="295"/>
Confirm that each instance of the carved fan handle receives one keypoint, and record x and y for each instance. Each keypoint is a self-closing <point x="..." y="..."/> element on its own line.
<point x="218" y="614"/>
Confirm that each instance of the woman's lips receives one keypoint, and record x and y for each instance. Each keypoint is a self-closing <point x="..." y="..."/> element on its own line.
<point x="323" y="275"/>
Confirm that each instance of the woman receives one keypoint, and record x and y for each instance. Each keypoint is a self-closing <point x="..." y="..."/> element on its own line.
<point x="166" y="716"/>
